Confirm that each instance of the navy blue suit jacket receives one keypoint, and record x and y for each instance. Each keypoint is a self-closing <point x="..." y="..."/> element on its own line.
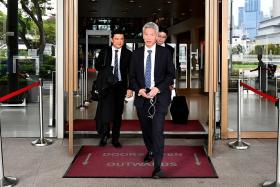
<point x="164" y="72"/>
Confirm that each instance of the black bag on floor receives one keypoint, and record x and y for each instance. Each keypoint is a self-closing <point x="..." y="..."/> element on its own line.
<point x="179" y="110"/>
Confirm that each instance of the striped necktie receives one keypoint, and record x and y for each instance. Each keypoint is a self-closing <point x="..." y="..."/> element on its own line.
<point x="148" y="70"/>
<point x="116" y="65"/>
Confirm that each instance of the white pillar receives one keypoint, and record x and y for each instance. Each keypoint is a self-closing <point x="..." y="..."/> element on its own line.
<point x="59" y="102"/>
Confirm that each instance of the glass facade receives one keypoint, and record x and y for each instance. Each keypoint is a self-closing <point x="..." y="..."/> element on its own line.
<point x="27" y="53"/>
<point x="254" y="47"/>
<point x="254" y="42"/>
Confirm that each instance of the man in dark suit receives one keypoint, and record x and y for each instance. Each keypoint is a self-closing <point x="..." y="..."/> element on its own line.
<point x="151" y="73"/>
<point x="110" y="107"/>
<point x="162" y="36"/>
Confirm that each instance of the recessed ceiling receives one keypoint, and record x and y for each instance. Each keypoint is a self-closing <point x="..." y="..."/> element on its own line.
<point x="131" y="15"/>
<point x="166" y="10"/>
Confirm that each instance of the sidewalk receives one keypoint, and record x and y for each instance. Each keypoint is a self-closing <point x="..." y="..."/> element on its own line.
<point x="45" y="166"/>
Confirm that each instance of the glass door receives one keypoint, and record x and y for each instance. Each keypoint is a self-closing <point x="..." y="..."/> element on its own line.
<point x="28" y="54"/>
<point x="254" y="54"/>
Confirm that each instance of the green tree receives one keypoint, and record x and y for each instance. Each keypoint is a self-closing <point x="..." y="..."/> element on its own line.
<point x="239" y="48"/>
<point x="258" y="49"/>
<point x="49" y="27"/>
<point x="272" y="48"/>
<point x="32" y="11"/>
<point x="3" y="18"/>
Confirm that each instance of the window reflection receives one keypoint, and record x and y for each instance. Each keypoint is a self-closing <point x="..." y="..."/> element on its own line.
<point x="254" y="32"/>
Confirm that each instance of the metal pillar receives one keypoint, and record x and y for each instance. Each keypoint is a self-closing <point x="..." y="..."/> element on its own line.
<point x="12" y="48"/>
<point x="276" y="87"/>
<point x="186" y="65"/>
<point x="52" y="99"/>
<point x="82" y="88"/>
<point x="260" y="79"/>
<point x="41" y="141"/>
<point x="239" y="144"/>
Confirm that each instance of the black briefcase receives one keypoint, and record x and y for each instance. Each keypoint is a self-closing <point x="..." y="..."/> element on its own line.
<point x="179" y="110"/>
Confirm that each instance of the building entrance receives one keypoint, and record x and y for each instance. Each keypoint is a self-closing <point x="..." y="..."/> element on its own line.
<point x="186" y="26"/>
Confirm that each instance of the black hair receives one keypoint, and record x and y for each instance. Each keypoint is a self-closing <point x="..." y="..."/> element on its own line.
<point x="161" y="29"/>
<point x="118" y="31"/>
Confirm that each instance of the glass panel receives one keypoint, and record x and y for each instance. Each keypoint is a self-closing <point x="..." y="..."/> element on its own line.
<point x="184" y="28"/>
<point x="95" y="44"/>
<point x="194" y="67"/>
<point x="3" y="52"/>
<point x="189" y="67"/>
<point x="254" y="57"/>
<point x="28" y="55"/>
<point x="174" y="60"/>
<point x="183" y="68"/>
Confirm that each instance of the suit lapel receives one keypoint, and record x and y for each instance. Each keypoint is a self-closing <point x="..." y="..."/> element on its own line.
<point x="109" y="56"/>
<point x="157" y="58"/>
<point x="122" y="60"/>
<point x="141" y="66"/>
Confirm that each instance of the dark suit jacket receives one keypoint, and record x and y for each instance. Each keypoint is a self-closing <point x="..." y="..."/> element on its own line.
<point x="104" y="112"/>
<point x="164" y="71"/>
<point x="106" y="56"/>
<point x="170" y="48"/>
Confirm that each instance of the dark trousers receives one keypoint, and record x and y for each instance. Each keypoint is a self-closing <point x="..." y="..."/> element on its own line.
<point x="152" y="130"/>
<point x="118" y="95"/>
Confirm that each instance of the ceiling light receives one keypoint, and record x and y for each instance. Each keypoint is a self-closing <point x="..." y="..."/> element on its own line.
<point x="169" y="2"/>
<point x="131" y="1"/>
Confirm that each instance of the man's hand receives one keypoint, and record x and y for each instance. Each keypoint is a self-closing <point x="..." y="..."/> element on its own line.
<point x="129" y="93"/>
<point x="154" y="91"/>
<point x="142" y="92"/>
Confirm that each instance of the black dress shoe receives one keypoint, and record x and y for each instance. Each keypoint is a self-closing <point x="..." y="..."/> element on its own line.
<point x="117" y="144"/>
<point x="149" y="157"/>
<point x="103" y="141"/>
<point x="157" y="174"/>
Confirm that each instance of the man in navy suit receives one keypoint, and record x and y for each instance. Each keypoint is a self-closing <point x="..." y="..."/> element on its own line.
<point x="115" y="60"/>
<point x="162" y="36"/>
<point x="151" y="73"/>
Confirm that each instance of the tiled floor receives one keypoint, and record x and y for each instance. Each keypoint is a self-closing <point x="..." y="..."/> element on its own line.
<point x="24" y="121"/>
<point x="45" y="166"/>
<point x="257" y="114"/>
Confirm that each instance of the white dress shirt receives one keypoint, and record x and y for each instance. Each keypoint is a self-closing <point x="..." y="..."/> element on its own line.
<point x="113" y="61"/>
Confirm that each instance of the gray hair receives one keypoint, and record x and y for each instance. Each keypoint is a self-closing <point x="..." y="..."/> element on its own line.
<point x="151" y="25"/>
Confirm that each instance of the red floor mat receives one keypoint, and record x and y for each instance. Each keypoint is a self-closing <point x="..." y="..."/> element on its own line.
<point x="134" y="125"/>
<point x="178" y="161"/>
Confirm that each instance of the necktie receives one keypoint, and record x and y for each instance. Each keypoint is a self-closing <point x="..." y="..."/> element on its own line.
<point x="116" y="66"/>
<point x="148" y="70"/>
